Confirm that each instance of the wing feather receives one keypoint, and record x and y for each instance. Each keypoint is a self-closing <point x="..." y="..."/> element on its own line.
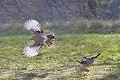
<point x="33" y="26"/>
<point x="40" y="39"/>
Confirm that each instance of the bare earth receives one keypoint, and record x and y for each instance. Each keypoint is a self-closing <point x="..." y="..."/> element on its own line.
<point x="96" y="72"/>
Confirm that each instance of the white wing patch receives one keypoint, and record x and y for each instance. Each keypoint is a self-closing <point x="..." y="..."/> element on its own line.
<point x="32" y="24"/>
<point x="31" y="51"/>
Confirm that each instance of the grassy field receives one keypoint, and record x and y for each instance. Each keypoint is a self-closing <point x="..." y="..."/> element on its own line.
<point x="60" y="61"/>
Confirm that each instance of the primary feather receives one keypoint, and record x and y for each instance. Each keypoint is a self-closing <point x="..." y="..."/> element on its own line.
<point x="31" y="51"/>
<point x="32" y="25"/>
<point x="39" y="38"/>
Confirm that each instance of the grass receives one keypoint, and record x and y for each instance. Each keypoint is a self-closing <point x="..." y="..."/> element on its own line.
<point x="61" y="57"/>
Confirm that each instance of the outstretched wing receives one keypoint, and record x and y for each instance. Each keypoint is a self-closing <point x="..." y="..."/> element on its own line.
<point x="33" y="26"/>
<point x="31" y="51"/>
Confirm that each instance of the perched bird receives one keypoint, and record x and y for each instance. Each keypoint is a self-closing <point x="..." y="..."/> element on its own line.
<point x="85" y="62"/>
<point x="39" y="38"/>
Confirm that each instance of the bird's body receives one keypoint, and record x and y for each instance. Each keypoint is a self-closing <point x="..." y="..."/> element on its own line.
<point x="39" y="38"/>
<point x="86" y="62"/>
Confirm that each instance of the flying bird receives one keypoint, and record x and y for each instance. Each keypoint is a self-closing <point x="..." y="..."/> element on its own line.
<point x="39" y="38"/>
<point x="86" y="62"/>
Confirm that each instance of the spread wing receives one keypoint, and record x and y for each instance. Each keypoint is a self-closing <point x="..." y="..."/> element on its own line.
<point x="33" y="26"/>
<point x="37" y="30"/>
<point x="31" y="51"/>
<point x="39" y="38"/>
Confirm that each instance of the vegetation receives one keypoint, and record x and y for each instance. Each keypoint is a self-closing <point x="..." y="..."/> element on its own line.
<point x="82" y="28"/>
<point x="68" y="27"/>
<point x="53" y="10"/>
<point x="60" y="61"/>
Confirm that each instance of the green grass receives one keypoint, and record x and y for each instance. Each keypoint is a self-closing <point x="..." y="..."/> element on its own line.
<point x="63" y="55"/>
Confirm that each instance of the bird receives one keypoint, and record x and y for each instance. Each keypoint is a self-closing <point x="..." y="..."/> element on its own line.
<point x="38" y="37"/>
<point x="86" y="62"/>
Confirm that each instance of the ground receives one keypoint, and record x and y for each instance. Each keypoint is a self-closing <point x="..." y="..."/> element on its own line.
<point x="60" y="61"/>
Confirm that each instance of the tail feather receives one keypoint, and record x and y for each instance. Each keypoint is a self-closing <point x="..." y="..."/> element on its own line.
<point x="50" y="39"/>
<point x="96" y="56"/>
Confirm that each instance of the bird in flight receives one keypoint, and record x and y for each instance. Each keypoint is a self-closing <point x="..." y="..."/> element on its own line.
<point x="39" y="38"/>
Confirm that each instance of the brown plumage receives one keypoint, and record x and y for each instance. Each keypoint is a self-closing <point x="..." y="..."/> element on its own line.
<point x="38" y="37"/>
<point x="50" y="40"/>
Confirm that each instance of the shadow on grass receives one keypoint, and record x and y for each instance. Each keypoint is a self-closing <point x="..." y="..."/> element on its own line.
<point x="113" y="76"/>
<point x="30" y="76"/>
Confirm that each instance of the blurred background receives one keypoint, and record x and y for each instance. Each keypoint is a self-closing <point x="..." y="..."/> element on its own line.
<point x="81" y="27"/>
<point x="61" y="16"/>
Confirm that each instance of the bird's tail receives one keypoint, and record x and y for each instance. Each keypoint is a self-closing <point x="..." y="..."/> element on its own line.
<point x="32" y="25"/>
<point x="50" y="39"/>
<point x="97" y="55"/>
